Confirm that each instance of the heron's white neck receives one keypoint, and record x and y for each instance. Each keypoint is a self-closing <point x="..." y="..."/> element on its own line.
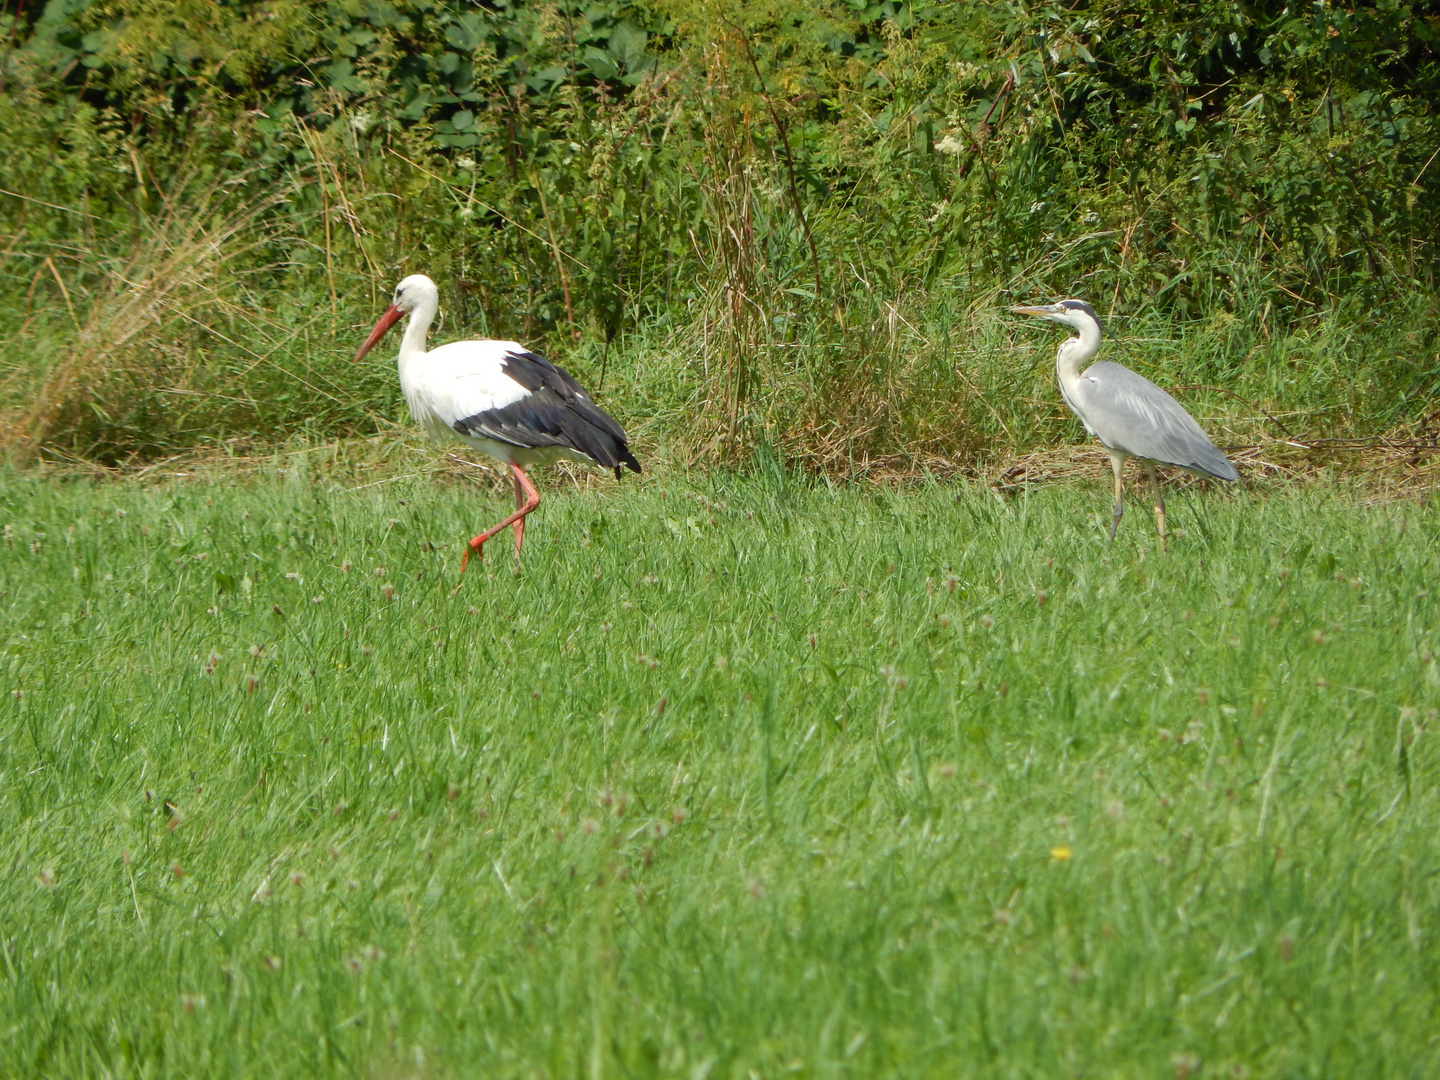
<point x="1073" y="353"/>
<point x="412" y="346"/>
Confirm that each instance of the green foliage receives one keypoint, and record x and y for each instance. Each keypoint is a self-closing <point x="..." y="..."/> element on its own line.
<point x="767" y="189"/>
<point x="740" y="777"/>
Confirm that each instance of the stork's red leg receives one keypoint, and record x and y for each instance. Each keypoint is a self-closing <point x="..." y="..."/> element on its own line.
<point x="532" y="500"/>
<point x="519" y="526"/>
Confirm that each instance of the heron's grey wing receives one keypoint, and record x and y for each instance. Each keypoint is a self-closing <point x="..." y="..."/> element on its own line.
<point x="1128" y="412"/>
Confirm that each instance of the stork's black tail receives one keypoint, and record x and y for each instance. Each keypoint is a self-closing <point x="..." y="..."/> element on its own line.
<point x="556" y="412"/>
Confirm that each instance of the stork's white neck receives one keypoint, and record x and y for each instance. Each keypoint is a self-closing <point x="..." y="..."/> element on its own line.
<point x="412" y="346"/>
<point x="1072" y="354"/>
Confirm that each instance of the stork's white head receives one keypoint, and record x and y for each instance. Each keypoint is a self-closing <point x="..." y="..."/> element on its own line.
<point x="1073" y="313"/>
<point x="414" y="291"/>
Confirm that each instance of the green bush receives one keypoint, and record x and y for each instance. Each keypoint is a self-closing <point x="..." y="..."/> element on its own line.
<point x="752" y="220"/>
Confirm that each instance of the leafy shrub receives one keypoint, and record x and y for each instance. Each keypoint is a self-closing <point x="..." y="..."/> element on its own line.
<point x="753" y="219"/>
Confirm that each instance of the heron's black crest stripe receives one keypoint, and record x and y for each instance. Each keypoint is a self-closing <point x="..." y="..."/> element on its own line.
<point x="1081" y="305"/>
<point x="555" y="412"/>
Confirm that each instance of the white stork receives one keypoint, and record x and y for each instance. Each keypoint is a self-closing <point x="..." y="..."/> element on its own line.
<point x="500" y="398"/>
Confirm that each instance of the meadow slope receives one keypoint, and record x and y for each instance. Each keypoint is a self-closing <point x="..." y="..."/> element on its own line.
<point x="741" y="777"/>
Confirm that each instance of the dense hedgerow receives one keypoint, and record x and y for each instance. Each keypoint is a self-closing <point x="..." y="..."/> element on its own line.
<point x="751" y="220"/>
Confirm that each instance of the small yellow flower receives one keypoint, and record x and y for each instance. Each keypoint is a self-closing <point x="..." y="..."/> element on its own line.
<point x="1060" y="853"/>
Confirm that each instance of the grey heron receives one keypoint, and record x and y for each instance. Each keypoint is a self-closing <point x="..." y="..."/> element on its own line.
<point x="1129" y="414"/>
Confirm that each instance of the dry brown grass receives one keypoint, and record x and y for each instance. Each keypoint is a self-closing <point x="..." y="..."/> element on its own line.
<point x="1394" y="468"/>
<point x="136" y="321"/>
<point x="1381" y="470"/>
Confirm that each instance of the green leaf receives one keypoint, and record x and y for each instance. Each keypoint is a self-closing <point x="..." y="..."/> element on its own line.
<point x="599" y="63"/>
<point x="467" y="32"/>
<point x="627" y="44"/>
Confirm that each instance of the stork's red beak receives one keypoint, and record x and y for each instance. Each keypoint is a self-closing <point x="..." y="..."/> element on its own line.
<point x="389" y="319"/>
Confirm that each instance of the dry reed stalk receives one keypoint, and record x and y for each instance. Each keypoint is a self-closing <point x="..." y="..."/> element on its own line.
<point x="733" y="311"/>
<point x="170" y="270"/>
<point x="559" y="259"/>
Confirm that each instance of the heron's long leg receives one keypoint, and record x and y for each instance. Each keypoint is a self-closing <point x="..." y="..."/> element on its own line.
<point x="1159" y="503"/>
<point x="532" y="500"/>
<point x="1117" y="462"/>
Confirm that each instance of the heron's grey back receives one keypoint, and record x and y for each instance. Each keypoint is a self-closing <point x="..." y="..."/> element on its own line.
<point x="1128" y="412"/>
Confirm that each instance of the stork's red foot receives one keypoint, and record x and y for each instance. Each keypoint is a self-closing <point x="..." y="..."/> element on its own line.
<point x="526" y="500"/>
<point x="474" y="545"/>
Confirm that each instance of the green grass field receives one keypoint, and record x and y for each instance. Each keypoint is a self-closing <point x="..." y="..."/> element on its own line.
<point x="742" y="777"/>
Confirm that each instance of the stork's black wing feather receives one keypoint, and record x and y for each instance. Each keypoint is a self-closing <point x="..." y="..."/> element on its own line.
<point x="556" y="412"/>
